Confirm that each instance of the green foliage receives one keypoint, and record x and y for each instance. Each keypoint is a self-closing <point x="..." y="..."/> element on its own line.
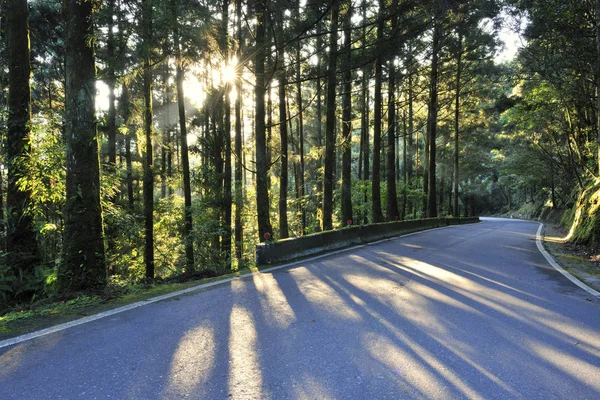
<point x="530" y="210"/>
<point x="168" y="233"/>
<point x="125" y="255"/>
<point x="360" y="207"/>
<point x="15" y="286"/>
<point x="524" y="128"/>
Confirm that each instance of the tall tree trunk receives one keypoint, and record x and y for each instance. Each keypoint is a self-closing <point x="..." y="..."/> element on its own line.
<point x="456" y="210"/>
<point x="283" y="136"/>
<point x="125" y="103"/>
<point x="21" y="244"/>
<point x="2" y="225"/>
<point x="83" y="250"/>
<point x="404" y="167"/>
<point x="300" y="131"/>
<point x="319" y="124"/>
<point x="239" y="195"/>
<point x="425" y="163"/>
<point x="166" y="142"/>
<point x="598" y="79"/>
<point x="411" y="126"/>
<point x="111" y="81"/>
<point x="330" y="121"/>
<point x="347" y="120"/>
<point x="442" y="185"/>
<point x="364" y="121"/>
<point x="217" y="187"/>
<point x="269" y="112"/>
<point x="111" y="127"/>
<point x="227" y="196"/>
<point x="432" y="122"/>
<point x="376" y="188"/>
<point x="185" y="163"/>
<point x="125" y="111"/>
<point x="148" y="159"/>
<point x="392" y="199"/>
<point x="262" y="194"/>
<point x="398" y="155"/>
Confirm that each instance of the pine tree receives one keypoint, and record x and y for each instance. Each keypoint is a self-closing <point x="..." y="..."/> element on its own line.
<point x="83" y="264"/>
<point x="21" y="244"/>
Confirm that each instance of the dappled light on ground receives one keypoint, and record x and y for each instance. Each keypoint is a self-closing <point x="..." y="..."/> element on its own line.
<point x="584" y="372"/>
<point x="324" y="296"/>
<point x="245" y="376"/>
<point x="460" y="315"/>
<point x="192" y="362"/>
<point x="273" y="301"/>
<point x="311" y="388"/>
<point x="484" y="299"/>
<point x="416" y="366"/>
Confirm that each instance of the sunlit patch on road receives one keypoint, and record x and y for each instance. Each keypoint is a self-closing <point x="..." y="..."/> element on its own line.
<point x="245" y="376"/>
<point x="192" y="362"/>
<point x="273" y="301"/>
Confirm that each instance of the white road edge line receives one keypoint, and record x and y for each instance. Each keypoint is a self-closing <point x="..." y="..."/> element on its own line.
<point x="550" y="259"/>
<point x="91" y="318"/>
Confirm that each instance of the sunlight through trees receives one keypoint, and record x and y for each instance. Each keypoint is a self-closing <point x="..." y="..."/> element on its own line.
<point x="221" y="124"/>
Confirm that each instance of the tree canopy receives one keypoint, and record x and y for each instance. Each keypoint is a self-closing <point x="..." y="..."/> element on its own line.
<point x="146" y="139"/>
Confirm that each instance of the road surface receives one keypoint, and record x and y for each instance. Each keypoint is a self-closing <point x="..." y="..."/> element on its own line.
<point x="470" y="312"/>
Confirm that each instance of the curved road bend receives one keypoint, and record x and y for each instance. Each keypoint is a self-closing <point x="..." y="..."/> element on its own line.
<point x="471" y="312"/>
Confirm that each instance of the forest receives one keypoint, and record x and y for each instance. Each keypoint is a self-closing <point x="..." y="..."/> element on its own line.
<point x="153" y="139"/>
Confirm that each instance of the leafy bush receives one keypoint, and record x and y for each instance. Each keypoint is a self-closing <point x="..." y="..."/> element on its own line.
<point x="16" y="287"/>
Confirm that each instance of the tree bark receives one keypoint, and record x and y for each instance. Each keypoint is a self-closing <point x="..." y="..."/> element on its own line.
<point x="111" y="82"/>
<point x="330" y="121"/>
<point x="21" y="244"/>
<point x="239" y="194"/>
<point x="83" y="263"/>
<point x="598" y="80"/>
<point x="432" y="123"/>
<point x="319" y="125"/>
<point x="347" y="121"/>
<point x="283" y="137"/>
<point x="364" y="120"/>
<point x="404" y="168"/>
<point x="148" y="156"/>
<point x="185" y="163"/>
<point x="456" y="210"/>
<point x="126" y="115"/>
<point x="376" y="188"/>
<point x="392" y="198"/>
<point x="166" y="144"/>
<point x="300" y="125"/>
<point x="227" y="195"/>
<point x="410" y="150"/>
<point x="262" y="194"/>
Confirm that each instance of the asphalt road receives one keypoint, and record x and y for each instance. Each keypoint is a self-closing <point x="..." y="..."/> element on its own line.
<point x="460" y="312"/>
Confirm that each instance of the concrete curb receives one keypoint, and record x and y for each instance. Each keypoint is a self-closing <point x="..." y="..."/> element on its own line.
<point x="552" y="261"/>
